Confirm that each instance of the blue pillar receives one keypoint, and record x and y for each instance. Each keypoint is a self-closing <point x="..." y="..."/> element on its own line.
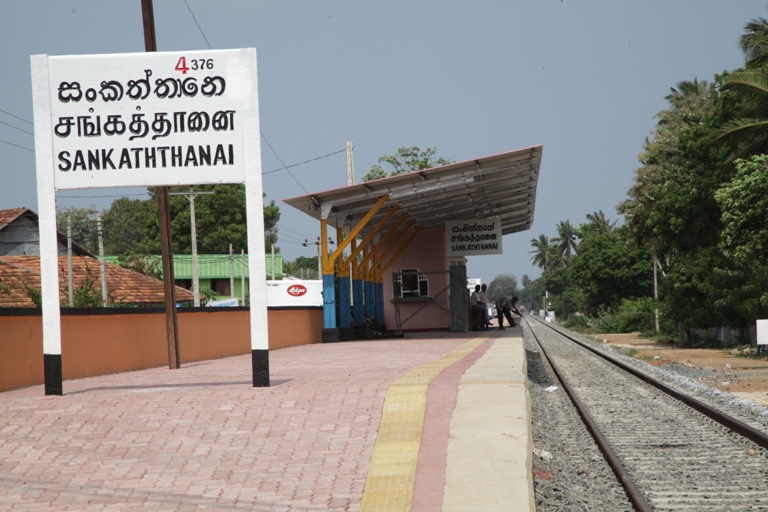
<point x="357" y="295"/>
<point x="329" y="301"/>
<point x="345" y="319"/>
<point x="380" y="303"/>
<point x="370" y="299"/>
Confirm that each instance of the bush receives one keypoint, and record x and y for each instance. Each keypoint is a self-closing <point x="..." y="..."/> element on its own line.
<point x="632" y="315"/>
<point x="607" y="320"/>
<point x="578" y="322"/>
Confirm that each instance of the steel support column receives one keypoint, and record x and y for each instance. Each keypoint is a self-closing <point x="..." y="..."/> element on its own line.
<point x="329" y="281"/>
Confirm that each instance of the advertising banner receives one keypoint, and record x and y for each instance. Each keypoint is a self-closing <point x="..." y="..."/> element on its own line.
<point x="294" y="293"/>
<point x="473" y="237"/>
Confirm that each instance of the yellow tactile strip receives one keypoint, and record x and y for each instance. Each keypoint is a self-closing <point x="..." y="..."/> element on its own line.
<point x="392" y="471"/>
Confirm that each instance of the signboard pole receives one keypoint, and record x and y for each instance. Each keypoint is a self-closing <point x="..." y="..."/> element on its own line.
<point x="164" y="214"/>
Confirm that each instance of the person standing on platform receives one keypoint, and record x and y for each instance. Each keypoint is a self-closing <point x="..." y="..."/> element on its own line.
<point x="505" y="306"/>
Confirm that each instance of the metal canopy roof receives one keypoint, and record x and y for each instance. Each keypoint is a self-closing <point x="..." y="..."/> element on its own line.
<point x="502" y="185"/>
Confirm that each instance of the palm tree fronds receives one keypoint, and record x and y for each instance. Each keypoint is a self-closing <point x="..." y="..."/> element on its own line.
<point x="754" y="42"/>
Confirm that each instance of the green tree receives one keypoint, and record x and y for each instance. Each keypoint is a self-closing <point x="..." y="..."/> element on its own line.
<point x="672" y="211"/>
<point x="671" y="203"/>
<point x="85" y="231"/>
<point x="748" y="131"/>
<point x="607" y="270"/>
<point x="744" y="202"/>
<point x="125" y="223"/>
<point x="565" y="241"/>
<point x="220" y="220"/>
<point x="687" y="89"/>
<point x="407" y="159"/>
<point x="564" y="295"/>
<point x="302" y="265"/>
<point x="754" y="43"/>
<point x="502" y="285"/>
<point x="543" y="253"/>
<point x="601" y="222"/>
<point x="532" y="294"/>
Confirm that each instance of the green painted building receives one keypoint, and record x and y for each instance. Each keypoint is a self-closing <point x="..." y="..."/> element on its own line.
<point x="216" y="271"/>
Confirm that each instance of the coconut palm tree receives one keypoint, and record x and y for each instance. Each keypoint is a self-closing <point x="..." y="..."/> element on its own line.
<point x="565" y="242"/>
<point x="686" y="89"/>
<point x="543" y="253"/>
<point x="754" y="43"/>
<point x="601" y="222"/>
<point x="749" y="130"/>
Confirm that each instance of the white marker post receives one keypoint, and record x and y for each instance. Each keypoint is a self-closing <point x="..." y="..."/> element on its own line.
<point x="145" y="120"/>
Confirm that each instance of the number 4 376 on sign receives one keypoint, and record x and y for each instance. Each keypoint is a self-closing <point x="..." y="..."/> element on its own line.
<point x="195" y="65"/>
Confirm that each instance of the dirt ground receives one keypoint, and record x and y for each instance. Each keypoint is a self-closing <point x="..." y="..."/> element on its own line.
<point x="741" y="376"/>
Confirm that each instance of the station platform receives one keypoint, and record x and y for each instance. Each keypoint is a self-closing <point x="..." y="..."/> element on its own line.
<point x="430" y="422"/>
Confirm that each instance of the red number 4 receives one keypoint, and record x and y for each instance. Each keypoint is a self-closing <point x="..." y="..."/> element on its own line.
<point x="182" y="66"/>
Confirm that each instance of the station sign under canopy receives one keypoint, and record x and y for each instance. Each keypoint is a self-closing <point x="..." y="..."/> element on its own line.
<point x="473" y="237"/>
<point x="149" y="119"/>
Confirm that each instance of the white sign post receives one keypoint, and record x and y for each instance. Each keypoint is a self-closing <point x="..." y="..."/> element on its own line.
<point x="147" y="119"/>
<point x="473" y="237"/>
<point x="762" y="336"/>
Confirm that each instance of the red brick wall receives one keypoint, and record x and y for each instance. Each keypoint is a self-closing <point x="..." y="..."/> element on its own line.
<point x="99" y="344"/>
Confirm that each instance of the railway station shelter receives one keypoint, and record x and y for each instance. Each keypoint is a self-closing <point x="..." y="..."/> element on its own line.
<point x="401" y="242"/>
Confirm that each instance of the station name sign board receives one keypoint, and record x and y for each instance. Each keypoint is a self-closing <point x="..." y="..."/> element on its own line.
<point x="473" y="237"/>
<point x="148" y="119"/>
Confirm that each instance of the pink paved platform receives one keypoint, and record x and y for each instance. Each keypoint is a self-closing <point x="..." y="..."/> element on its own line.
<point x="202" y="438"/>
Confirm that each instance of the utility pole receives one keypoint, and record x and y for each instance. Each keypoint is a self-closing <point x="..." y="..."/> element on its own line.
<point x="350" y="164"/>
<point x="273" y="262"/>
<point x="242" y="274"/>
<point x="231" y="272"/>
<point x="195" y="270"/>
<point x="100" y="227"/>
<point x="655" y="294"/>
<point x="164" y="214"/>
<point x="350" y="181"/>
<point x="70" y="278"/>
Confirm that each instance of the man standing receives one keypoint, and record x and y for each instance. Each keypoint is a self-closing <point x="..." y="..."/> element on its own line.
<point x="476" y="302"/>
<point x="505" y="306"/>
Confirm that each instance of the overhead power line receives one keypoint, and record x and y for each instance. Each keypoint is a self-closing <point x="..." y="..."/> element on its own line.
<point x="17" y="128"/>
<point x="13" y="115"/>
<point x="281" y="161"/>
<point x="198" y="25"/>
<point x="16" y="145"/>
<point x="304" y="162"/>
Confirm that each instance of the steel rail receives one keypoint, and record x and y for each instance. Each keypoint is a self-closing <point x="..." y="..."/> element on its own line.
<point x="735" y="425"/>
<point x="635" y="496"/>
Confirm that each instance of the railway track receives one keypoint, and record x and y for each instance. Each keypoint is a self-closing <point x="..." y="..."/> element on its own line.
<point x="670" y="451"/>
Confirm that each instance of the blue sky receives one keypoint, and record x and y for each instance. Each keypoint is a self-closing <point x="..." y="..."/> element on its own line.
<point x="584" y="78"/>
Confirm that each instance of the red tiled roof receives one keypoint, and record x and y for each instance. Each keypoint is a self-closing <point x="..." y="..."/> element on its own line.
<point x="11" y="214"/>
<point x="18" y="273"/>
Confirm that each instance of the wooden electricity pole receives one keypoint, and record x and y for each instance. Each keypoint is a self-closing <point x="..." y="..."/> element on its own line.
<point x="164" y="213"/>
